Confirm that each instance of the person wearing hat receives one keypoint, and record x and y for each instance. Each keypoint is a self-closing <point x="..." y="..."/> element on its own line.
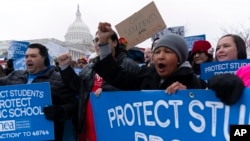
<point x="170" y="72"/>
<point x="81" y="62"/>
<point x="202" y="52"/>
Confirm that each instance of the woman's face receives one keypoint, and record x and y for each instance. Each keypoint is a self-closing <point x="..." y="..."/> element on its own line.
<point x="165" y="61"/>
<point x="226" y="49"/>
<point x="200" y="57"/>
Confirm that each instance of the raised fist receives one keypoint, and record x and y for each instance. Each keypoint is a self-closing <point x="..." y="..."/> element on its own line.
<point x="64" y="59"/>
<point x="103" y="26"/>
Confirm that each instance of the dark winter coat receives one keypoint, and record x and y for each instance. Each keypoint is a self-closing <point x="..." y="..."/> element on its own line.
<point x="61" y="95"/>
<point x="146" y="79"/>
<point x="127" y="63"/>
<point x="83" y="84"/>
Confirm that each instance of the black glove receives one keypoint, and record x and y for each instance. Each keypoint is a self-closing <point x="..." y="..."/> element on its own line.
<point x="228" y="87"/>
<point x="54" y="112"/>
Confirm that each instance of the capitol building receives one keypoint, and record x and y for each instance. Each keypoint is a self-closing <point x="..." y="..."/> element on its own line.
<point x="78" y="41"/>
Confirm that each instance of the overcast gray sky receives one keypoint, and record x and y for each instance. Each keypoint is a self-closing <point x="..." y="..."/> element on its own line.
<point x="35" y="19"/>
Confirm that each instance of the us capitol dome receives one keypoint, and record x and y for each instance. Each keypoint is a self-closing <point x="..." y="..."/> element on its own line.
<point x="78" y="41"/>
<point x="78" y="31"/>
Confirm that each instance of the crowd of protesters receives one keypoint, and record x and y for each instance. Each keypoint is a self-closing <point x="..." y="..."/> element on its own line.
<point x="168" y="66"/>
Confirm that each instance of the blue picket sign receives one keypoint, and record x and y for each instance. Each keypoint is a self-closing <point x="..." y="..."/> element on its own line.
<point x="152" y="115"/>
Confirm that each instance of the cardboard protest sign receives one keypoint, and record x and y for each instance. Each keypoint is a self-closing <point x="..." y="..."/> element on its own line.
<point x="213" y="68"/>
<point x="155" y="115"/>
<point x="141" y="25"/>
<point x="21" y="112"/>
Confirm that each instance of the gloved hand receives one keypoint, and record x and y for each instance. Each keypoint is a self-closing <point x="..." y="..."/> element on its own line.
<point x="228" y="87"/>
<point x="54" y="112"/>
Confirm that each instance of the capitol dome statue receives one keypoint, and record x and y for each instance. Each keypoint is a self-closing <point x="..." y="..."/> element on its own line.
<point x="78" y="37"/>
<point x="78" y="31"/>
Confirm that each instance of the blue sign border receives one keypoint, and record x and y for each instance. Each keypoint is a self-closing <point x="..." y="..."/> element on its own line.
<point x="148" y="115"/>
<point x="21" y="116"/>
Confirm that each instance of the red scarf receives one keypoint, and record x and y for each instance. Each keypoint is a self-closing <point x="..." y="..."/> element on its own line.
<point x="90" y="134"/>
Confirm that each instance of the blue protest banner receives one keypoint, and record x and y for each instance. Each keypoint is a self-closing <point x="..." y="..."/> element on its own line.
<point x="19" y="63"/>
<point x="191" y="39"/>
<point x="213" y="68"/>
<point x="17" y="49"/>
<point x="21" y="116"/>
<point x="188" y="115"/>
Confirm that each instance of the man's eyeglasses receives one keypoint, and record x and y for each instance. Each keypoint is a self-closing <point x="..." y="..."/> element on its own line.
<point x="95" y="40"/>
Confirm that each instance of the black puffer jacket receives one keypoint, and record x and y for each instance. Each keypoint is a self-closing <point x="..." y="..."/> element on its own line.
<point x="61" y="95"/>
